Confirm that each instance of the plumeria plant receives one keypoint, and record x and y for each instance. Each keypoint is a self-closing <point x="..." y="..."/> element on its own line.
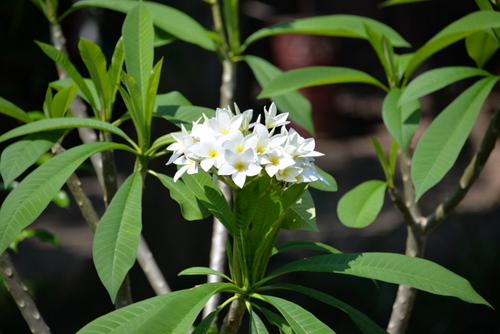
<point x="267" y="166"/>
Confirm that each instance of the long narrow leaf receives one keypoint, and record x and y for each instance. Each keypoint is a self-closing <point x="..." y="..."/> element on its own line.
<point x="138" y="36"/>
<point x="66" y="64"/>
<point x="118" y="234"/>
<point x="439" y="147"/>
<point x="63" y="123"/>
<point x="27" y="201"/>
<point x="298" y="107"/>
<point x="203" y="271"/>
<point x="301" y="215"/>
<point x="316" y="76"/>
<point x="257" y="326"/>
<point x="301" y="321"/>
<point x="166" y="18"/>
<point x="392" y="268"/>
<point x="178" y="114"/>
<point x="435" y="79"/>
<point x="303" y="245"/>
<point x="331" y="25"/>
<point x="22" y="154"/>
<point x="11" y="110"/>
<point x="96" y="64"/>
<point x="452" y="33"/>
<point x="364" y="323"/>
<point x="173" y="312"/>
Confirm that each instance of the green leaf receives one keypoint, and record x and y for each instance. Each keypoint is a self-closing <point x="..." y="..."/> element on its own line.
<point x="117" y="236"/>
<point x="277" y="321"/>
<point x="481" y="46"/>
<point x="303" y="245"/>
<point x="392" y="268"/>
<point x="203" y="271"/>
<point x="27" y="201"/>
<point x="62" y="101"/>
<point x="320" y="185"/>
<point x="21" y="155"/>
<point x="398" y="2"/>
<point x="11" y="110"/>
<point x="202" y="185"/>
<point x="191" y="208"/>
<point x="364" y="323"/>
<point x="316" y="76"/>
<point x="257" y="326"/>
<point x="60" y="58"/>
<point x="294" y="103"/>
<point x="173" y="312"/>
<point x="452" y="33"/>
<point x="115" y="69"/>
<point x="401" y="120"/>
<point x="331" y="25"/>
<point x="300" y="320"/>
<point x="133" y="101"/>
<point x="301" y="215"/>
<point x="386" y="56"/>
<point x="440" y="145"/>
<point x="166" y="18"/>
<point x="178" y="114"/>
<point x="96" y="64"/>
<point x="206" y="325"/>
<point x="41" y="235"/>
<point x="65" y="83"/>
<point x="63" y="123"/>
<point x="173" y="98"/>
<point x="382" y="159"/>
<point x="360" y="206"/>
<point x="138" y="37"/>
<point x="435" y="79"/>
<point x="244" y="207"/>
<point x="150" y="98"/>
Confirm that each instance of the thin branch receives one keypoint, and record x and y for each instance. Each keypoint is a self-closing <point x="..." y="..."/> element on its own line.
<point x="19" y="293"/>
<point x="469" y="176"/>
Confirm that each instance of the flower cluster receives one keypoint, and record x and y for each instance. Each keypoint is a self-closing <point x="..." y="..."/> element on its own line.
<point x="230" y="146"/>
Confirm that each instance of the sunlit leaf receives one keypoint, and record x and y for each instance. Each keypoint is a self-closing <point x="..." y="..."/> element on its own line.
<point x="19" y="156"/>
<point x="452" y="33"/>
<point x="435" y="79"/>
<point x="401" y="120"/>
<point x="316" y="76"/>
<point x="481" y="46"/>
<point x="331" y="25"/>
<point x="178" y="114"/>
<point x="300" y="320"/>
<point x="257" y="326"/>
<point x="169" y="19"/>
<point x="360" y="206"/>
<point x="11" y="110"/>
<point x="191" y="207"/>
<point x="301" y="215"/>
<point x="27" y="201"/>
<point x="320" y="185"/>
<point x="364" y="323"/>
<point x="117" y="236"/>
<point x="439" y="147"/>
<point x="303" y="245"/>
<point x="173" y="312"/>
<point x="62" y="101"/>
<point x="203" y="271"/>
<point x="62" y="123"/>
<point x="419" y="273"/>
<point x="398" y="2"/>
<point x="298" y="107"/>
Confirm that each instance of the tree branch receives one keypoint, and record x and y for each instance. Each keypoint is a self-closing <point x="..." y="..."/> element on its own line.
<point x="232" y="321"/>
<point x="19" y="293"/>
<point x="469" y="176"/>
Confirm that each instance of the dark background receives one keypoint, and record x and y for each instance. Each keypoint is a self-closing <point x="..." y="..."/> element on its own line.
<point x="63" y="280"/>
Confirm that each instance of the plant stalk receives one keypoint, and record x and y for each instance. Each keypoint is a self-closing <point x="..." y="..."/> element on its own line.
<point x="232" y="321"/>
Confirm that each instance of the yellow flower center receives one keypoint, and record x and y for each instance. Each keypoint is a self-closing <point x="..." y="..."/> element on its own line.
<point x="212" y="153"/>
<point x="274" y="160"/>
<point x="239" y="166"/>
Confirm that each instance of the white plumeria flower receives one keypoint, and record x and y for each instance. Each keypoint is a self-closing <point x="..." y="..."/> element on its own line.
<point x="224" y="123"/>
<point x="189" y="166"/>
<point x="236" y="142"/>
<point x="240" y="165"/>
<point x="299" y="147"/>
<point x="210" y="153"/>
<point x="183" y="141"/>
<point x="289" y="174"/>
<point x="272" y="119"/>
<point x="277" y="160"/>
